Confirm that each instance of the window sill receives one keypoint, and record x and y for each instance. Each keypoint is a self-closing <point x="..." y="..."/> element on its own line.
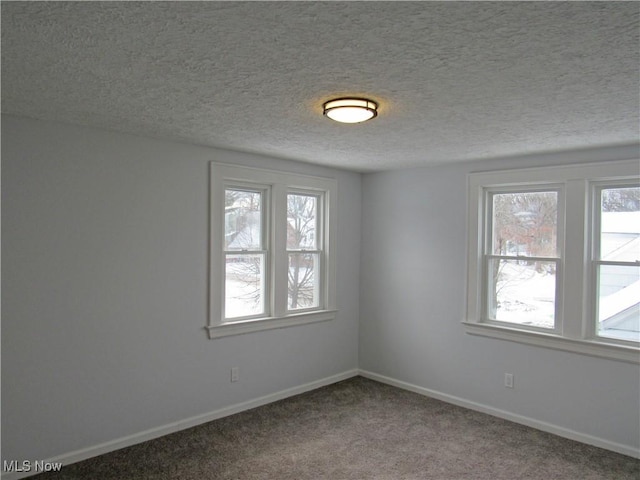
<point x="594" y="348"/>
<point x="269" y="323"/>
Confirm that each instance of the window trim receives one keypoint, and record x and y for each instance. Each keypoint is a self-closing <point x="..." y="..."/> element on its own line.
<point x="573" y="333"/>
<point x="223" y="176"/>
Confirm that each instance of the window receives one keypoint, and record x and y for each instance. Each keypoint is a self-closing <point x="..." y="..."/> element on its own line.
<point x="272" y="260"/>
<point x="523" y="257"/>
<point x="304" y="251"/>
<point x="554" y="257"/>
<point x="615" y="258"/>
<point x="245" y="253"/>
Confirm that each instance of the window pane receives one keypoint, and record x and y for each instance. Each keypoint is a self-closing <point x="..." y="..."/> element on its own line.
<point x="525" y="223"/>
<point x="620" y="224"/>
<point x="244" y="285"/>
<point x="619" y="302"/>
<point x="303" y="280"/>
<point x="522" y="292"/>
<point x="242" y="220"/>
<point x="302" y="218"/>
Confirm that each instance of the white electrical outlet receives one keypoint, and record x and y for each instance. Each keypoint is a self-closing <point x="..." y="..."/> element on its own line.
<point x="508" y="380"/>
<point x="234" y="374"/>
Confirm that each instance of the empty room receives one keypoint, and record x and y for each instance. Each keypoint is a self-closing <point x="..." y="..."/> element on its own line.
<point x="320" y="240"/>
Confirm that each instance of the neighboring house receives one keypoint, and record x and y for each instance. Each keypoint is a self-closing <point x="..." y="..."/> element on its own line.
<point x="619" y="305"/>
<point x="243" y="228"/>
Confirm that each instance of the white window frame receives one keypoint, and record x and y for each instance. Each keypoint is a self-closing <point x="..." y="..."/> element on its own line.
<point x="276" y="185"/>
<point x="265" y="242"/>
<point x="575" y="311"/>
<point x="488" y="254"/>
<point x="594" y="249"/>
<point x="319" y="250"/>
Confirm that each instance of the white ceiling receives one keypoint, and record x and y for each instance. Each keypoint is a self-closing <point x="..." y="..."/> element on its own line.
<point x="455" y="80"/>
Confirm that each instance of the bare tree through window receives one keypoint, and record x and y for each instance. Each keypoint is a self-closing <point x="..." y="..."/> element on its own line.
<point x="303" y="250"/>
<point x="522" y="268"/>
<point x="244" y="258"/>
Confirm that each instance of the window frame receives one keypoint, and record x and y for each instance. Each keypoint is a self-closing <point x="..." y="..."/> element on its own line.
<point x="488" y="254"/>
<point x="319" y="244"/>
<point x="265" y="250"/>
<point x="277" y="185"/>
<point x="595" y="260"/>
<point x="575" y="331"/>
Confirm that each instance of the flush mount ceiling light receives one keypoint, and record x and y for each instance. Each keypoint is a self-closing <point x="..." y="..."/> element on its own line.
<point x="350" y="110"/>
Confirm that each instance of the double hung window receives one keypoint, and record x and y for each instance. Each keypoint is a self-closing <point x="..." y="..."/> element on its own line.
<point x="245" y="252"/>
<point x="304" y="250"/>
<point x="522" y="257"/>
<point x="272" y="259"/>
<point x="554" y="257"/>
<point x="616" y="261"/>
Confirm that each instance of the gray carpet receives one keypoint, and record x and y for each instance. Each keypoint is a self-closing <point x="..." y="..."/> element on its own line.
<point x="357" y="429"/>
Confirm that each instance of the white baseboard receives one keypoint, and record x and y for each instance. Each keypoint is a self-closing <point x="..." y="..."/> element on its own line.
<point x="93" y="451"/>
<point x="496" y="412"/>
<point x="117" y="444"/>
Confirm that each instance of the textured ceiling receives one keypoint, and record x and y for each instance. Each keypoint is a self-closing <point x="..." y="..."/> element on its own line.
<point x="455" y="81"/>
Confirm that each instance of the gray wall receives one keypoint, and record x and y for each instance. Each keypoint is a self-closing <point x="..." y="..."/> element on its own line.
<point x="104" y="294"/>
<point x="413" y="299"/>
<point x="105" y="290"/>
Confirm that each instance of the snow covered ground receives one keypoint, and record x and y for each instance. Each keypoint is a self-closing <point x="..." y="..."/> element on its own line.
<point x="525" y="296"/>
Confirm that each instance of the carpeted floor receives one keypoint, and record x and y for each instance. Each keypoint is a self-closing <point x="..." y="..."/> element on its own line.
<point x="362" y="430"/>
